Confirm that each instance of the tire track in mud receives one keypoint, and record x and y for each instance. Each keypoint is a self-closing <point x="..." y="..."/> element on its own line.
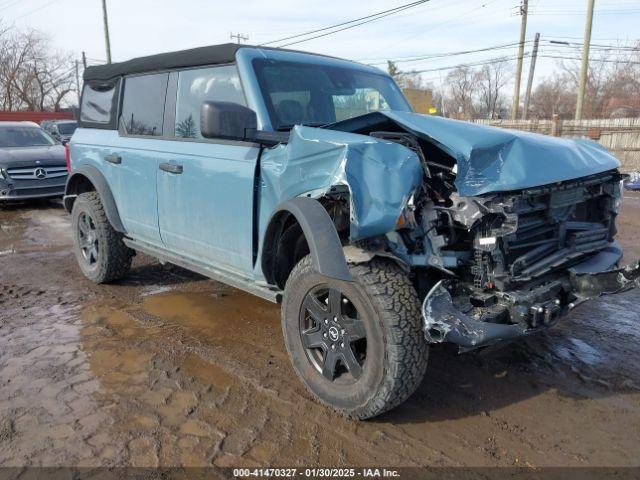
<point x="166" y="368"/>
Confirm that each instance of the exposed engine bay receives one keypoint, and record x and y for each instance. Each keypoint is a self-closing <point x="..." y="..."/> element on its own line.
<point x="506" y="259"/>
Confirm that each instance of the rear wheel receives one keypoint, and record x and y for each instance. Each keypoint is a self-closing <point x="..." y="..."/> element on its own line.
<point x="102" y="255"/>
<point x="357" y="346"/>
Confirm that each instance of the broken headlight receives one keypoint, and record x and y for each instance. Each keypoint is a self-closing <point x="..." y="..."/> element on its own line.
<point x="407" y="218"/>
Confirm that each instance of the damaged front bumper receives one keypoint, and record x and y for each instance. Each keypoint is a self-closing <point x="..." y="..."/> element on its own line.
<point x="445" y="321"/>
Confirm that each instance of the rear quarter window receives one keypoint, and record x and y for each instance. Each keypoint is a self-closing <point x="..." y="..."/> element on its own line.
<point x="99" y="105"/>
<point x="143" y="104"/>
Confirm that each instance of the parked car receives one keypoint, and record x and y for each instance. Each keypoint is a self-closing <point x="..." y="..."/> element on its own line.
<point x="32" y="164"/>
<point x="308" y="180"/>
<point x="61" y="130"/>
<point x="633" y="183"/>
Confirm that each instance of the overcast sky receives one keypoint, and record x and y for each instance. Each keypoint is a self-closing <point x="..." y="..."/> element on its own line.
<point x="141" y="27"/>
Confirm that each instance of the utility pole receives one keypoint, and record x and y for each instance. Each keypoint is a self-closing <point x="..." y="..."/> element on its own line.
<point x="532" y="69"/>
<point x="84" y="60"/>
<point x="584" y="70"/>
<point x="106" y="30"/>
<point x="524" y="10"/>
<point x="239" y="37"/>
<point x="78" y="82"/>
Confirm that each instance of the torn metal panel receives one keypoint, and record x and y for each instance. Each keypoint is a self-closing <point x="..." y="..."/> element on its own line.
<point x="380" y="176"/>
<point x="443" y="322"/>
<point x="491" y="159"/>
<point x="592" y="285"/>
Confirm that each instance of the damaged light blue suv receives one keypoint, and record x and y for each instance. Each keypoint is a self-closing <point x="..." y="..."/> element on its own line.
<point x="308" y="180"/>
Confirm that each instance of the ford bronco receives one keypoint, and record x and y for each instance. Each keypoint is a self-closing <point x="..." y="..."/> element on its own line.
<point x="309" y="181"/>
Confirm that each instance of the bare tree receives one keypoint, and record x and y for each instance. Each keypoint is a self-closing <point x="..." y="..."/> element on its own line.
<point x="31" y="75"/>
<point x="490" y="81"/>
<point x="552" y="97"/>
<point x="462" y="85"/>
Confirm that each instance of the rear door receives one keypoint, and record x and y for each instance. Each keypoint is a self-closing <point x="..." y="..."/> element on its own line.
<point x="206" y="187"/>
<point x="136" y="155"/>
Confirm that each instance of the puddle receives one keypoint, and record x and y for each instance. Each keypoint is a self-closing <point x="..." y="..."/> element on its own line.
<point x="579" y="350"/>
<point x="220" y="316"/>
<point x="176" y="370"/>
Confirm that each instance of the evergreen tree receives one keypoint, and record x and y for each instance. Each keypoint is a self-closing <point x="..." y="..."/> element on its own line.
<point x="187" y="128"/>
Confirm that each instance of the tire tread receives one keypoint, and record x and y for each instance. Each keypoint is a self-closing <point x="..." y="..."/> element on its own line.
<point x="118" y="255"/>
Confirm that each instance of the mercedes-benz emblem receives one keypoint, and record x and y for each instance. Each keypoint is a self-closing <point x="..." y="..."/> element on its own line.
<point x="40" y="173"/>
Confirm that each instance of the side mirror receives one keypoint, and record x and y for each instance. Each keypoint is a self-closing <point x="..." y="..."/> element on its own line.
<point x="227" y="120"/>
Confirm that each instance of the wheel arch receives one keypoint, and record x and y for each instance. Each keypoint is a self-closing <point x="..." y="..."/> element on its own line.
<point x="87" y="178"/>
<point x="319" y="232"/>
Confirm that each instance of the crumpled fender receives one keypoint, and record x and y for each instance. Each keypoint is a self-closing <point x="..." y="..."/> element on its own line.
<point x="379" y="175"/>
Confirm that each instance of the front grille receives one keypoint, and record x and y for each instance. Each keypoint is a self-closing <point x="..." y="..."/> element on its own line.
<point x="556" y="227"/>
<point x="36" y="192"/>
<point x="36" y="172"/>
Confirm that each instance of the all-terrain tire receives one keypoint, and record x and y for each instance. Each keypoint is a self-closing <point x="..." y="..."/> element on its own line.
<point x="113" y="259"/>
<point x="396" y="352"/>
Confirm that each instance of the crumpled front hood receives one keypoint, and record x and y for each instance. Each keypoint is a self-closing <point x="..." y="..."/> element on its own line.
<point x="492" y="159"/>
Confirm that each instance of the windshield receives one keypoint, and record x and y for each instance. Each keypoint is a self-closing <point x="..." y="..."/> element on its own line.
<point x="311" y="94"/>
<point x="24" y="137"/>
<point x="66" y="128"/>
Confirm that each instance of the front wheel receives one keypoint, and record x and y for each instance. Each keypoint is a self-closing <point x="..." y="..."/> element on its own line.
<point x="357" y="346"/>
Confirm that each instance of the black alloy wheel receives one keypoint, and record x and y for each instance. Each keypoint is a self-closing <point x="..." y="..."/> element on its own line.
<point x="88" y="239"/>
<point x="333" y="334"/>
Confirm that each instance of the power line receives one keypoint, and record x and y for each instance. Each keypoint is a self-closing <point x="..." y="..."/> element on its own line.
<point x="473" y="64"/>
<point x="429" y="56"/>
<point x="600" y="60"/>
<point x="441" y="24"/>
<point x="36" y="9"/>
<point x="10" y="4"/>
<point x="436" y="56"/>
<point x="346" y="25"/>
<point x="512" y="58"/>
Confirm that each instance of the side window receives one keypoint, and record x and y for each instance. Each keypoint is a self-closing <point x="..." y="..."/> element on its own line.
<point x="98" y="105"/>
<point x="143" y="104"/>
<point x="196" y="86"/>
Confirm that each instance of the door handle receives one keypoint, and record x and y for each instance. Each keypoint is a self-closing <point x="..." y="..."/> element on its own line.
<point x="117" y="159"/>
<point x="171" y="168"/>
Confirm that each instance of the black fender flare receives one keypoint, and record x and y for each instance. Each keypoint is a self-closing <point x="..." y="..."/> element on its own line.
<point x="97" y="179"/>
<point x="322" y="238"/>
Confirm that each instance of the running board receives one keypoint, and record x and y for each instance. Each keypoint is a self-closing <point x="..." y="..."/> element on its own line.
<point x="272" y="294"/>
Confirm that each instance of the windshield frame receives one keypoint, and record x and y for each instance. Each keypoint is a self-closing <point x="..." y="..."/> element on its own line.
<point x="257" y="64"/>
<point x="44" y="135"/>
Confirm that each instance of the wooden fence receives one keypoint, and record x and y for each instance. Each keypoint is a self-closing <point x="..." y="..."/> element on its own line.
<point x="621" y="135"/>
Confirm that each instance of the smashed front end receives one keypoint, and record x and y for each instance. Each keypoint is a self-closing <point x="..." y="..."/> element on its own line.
<point x="508" y="232"/>
<point x="501" y="232"/>
<point x="521" y="260"/>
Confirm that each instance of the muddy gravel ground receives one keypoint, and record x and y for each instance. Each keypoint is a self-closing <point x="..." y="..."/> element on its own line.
<point x="167" y="368"/>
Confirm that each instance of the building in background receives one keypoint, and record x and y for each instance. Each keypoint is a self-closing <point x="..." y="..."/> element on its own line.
<point x="420" y="99"/>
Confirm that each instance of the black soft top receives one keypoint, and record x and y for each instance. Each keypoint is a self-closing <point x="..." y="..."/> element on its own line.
<point x="211" y="55"/>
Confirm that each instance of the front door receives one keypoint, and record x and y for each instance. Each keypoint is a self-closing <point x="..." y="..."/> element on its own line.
<point x="205" y="188"/>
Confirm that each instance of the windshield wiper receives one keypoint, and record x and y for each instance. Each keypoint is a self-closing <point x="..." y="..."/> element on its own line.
<point x="289" y="126"/>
